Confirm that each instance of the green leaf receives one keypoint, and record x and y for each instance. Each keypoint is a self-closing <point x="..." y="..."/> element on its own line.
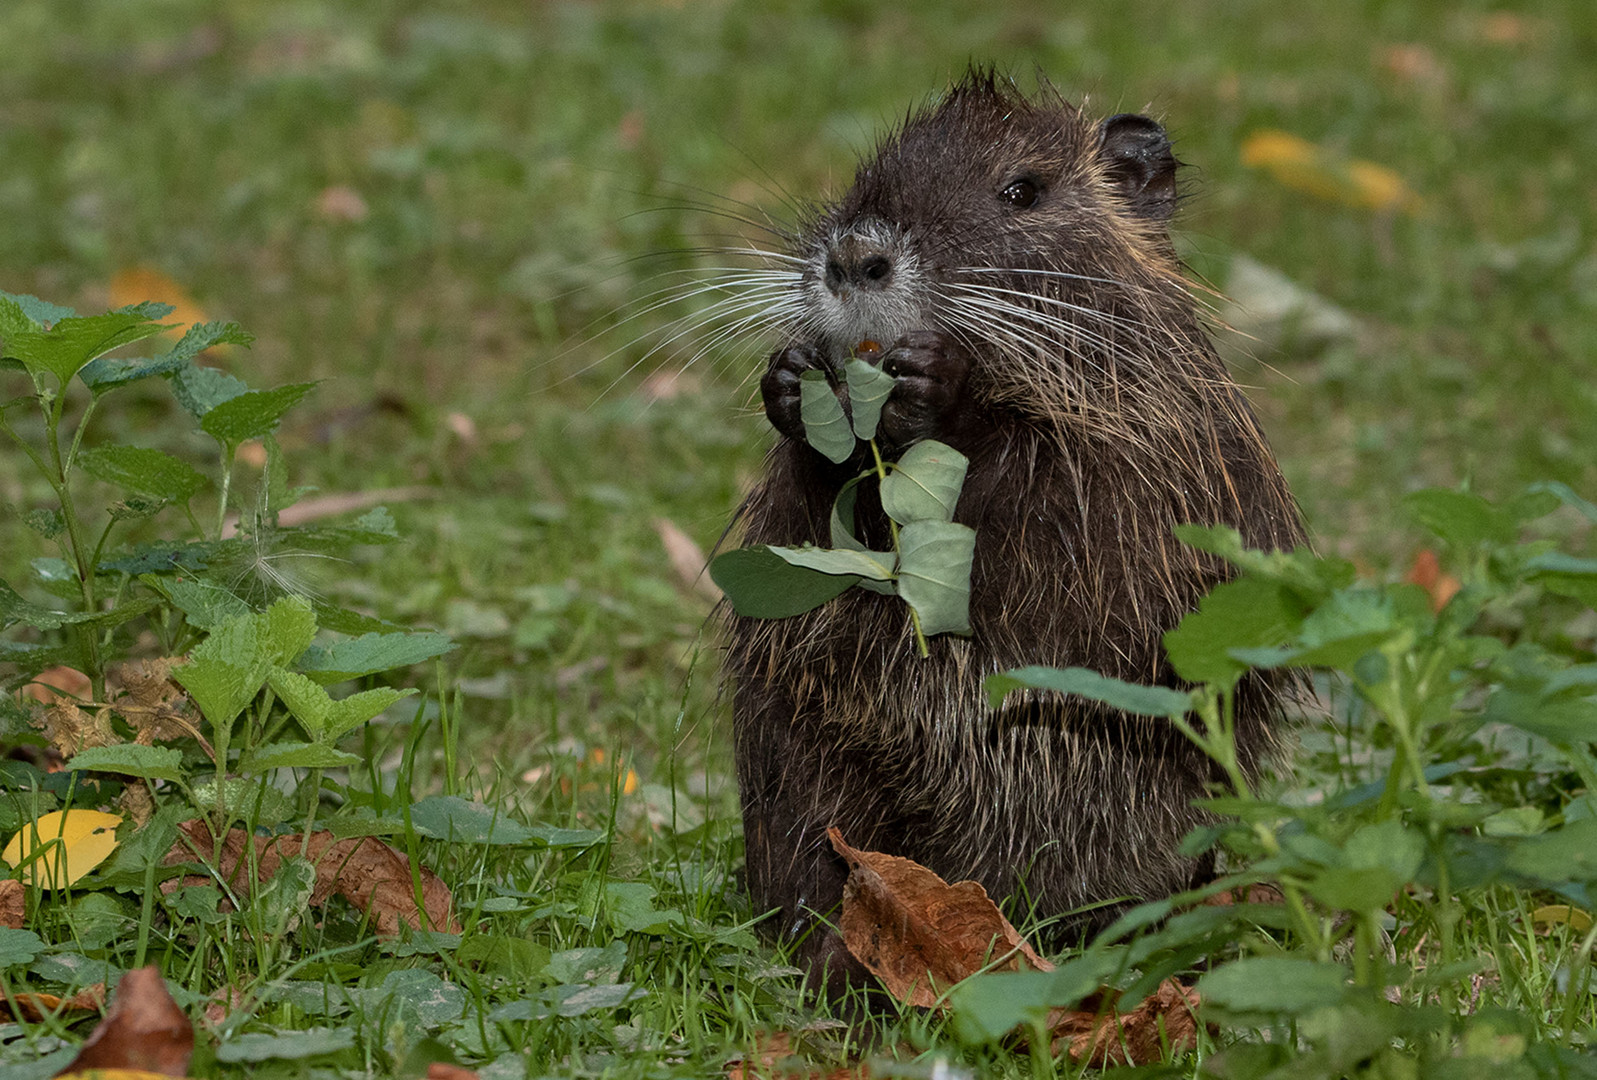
<point x="989" y="1007"/>
<point x="1562" y="855"/>
<point x="825" y="425"/>
<point x="14" y="609"/>
<point x="287" y="629"/>
<point x="567" y="1001"/>
<point x="162" y="557"/>
<point x="1248" y="613"/>
<point x="1564" y="721"/>
<point x="296" y="755"/>
<point x="868" y="389"/>
<point x="843" y="514"/>
<point x="925" y="486"/>
<point x="552" y="836"/>
<point x="1127" y="697"/>
<point x="1305" y="573"/>
<point x="1460" y="517"/>
<point x="371" y="653"/>
<point x="1566" y="495"/>
<point x="303" y="698"/>
<point x="449" y="817"/>
<point x="1376" y="861"/>
<point x="73" y="342"/>
<point x="934" y="574"/>
<point x="47" y="523"/>
<point x="141" y="469"/>
<point x="107" y="374"/>
<point x="1566" y="575"/>
<point x="763" y="585"/>
<point x="131" y="759"/>
<point x="875" y="565"/>
<point x="291" y="1045"/>
<point x="1277" y="985"/>
<point x="18" y="946"/>
<point x="226" y="670"/>
<point x="136" y="508"/>
<point x="200" y="389"/>
<point x="204" y="604"/>
<point x="630" y="905"/>
<point x="252" y="414"/>
<point x="35" y="314"/>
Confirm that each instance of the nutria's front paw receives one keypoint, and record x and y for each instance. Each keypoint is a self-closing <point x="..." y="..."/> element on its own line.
<point x="779" y="387"/>
<point x="928" y="398"/>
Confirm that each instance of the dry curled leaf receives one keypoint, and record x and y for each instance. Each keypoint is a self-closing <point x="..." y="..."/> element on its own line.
<point x="151" y="702"/>
<point x="1324" y="174"/>
<point x="774" y="1056"/>
<point x="13" y="903"/>
<point x="919" y="934"/>
<point x="370" y="874"/>
<point x="35" y="1007"/>
<point x="1094" y="1032"/>
<point x="71" y="729"/>
<point x="144" y="1029"/>
<point x="137" y="284"/>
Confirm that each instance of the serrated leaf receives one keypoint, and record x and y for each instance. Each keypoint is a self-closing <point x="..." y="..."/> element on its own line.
<point x="136" y="508"/>
<point x="251" y="414"/>
<point x="204" y="604"/>
<point x="132" y="759"/>
<point x="874" y="565"/>
<point x="1079" y="682"/>
<point x="297" y="755"/>
<point x="14" y="609"/>
<point x="304" y="698"/>
<point x="106" y="373"/>
<point x="351" y="712"/>
<point x="145" y="470"/>
<point x="934" y="574"/>
<point x="35" y="314"/>
<point x="47" y="523"/>
<point x="288" y="627"/>
<point x="73" y="342"/>
<point x="200" y="389"/>
<point x="763" y="585"/>
<point x="925" y="486"/>
<point x="226" y="670"/>
<point x="371" y="653"/>
<point x="1244" y="614"/>
<point x="162" y="557"/>
<point x="868" y="390"/>
<point x="826" y="427"/>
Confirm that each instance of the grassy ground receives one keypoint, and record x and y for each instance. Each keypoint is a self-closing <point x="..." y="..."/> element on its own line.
<point x="440" y="211"/>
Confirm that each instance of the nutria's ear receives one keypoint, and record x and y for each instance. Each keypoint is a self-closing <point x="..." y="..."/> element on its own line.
<point x="1137" y="153"/>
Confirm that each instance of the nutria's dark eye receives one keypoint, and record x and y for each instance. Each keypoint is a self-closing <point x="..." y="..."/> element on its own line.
<point x="1022" y="194"/>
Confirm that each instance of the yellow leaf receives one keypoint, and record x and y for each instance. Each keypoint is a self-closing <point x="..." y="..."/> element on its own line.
<point x="1304" y="166"/>
<point x="1562" y="915"/>
<point x="137" y="284"/>
<point x="70" y="843"/>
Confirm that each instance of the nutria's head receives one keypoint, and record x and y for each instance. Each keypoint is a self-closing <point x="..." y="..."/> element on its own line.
<point x="1033" y="235"/>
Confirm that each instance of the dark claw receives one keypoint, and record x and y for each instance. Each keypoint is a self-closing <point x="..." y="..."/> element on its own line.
<point x="779" y="387"/>
<point x="929" y="400"/>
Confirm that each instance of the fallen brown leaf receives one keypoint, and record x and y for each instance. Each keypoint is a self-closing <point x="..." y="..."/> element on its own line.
<point x="919" y="934"/>
<point x="371" y="875"/>
<point x="1257" y="893"/>
<point x="687" y="559"/>
<point x="13" y="903"/>
<point x="774" y="1056"/>
<point x="151" y="702"/>
<point x="1099" y="1035"/>
<point x="35" y="1007"/>
<point x="144" y="1029"/>
<point x="341" y="203"/>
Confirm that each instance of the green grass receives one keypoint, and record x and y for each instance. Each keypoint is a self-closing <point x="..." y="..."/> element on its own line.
<point x="529" y="170"/>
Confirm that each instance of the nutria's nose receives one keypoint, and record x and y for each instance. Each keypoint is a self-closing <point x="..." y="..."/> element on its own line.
<point x="853" y="263"/>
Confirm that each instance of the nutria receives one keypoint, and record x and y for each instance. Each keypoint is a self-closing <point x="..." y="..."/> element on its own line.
<point x="1012" y="259"/>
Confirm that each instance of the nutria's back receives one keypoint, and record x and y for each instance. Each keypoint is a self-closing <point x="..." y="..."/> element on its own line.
<point x="1012" y="258"/>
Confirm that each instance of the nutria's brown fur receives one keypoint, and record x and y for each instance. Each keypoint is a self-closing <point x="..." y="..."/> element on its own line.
<point x="1012" y="258"/>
